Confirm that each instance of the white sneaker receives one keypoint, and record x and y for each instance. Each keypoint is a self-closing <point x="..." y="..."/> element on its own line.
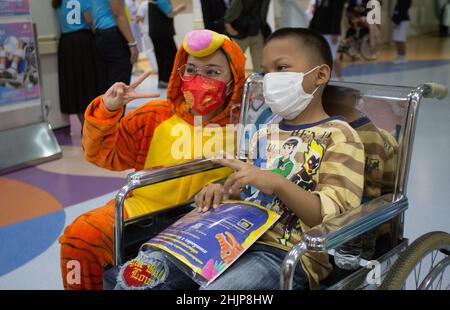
<point x="400" y="60"/>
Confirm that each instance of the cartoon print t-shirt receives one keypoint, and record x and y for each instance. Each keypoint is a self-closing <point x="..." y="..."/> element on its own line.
<point x="325" y="158"/>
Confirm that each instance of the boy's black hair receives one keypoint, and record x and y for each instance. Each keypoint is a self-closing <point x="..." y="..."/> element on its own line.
<point x="311" y="39"/>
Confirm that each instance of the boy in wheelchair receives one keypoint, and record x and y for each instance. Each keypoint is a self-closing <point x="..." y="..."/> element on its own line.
<point x="327" y="178"/>
<point x="207" y="81"/>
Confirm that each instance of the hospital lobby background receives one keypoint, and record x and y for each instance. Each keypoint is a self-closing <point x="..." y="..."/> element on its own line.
<point x="39" y="201"/>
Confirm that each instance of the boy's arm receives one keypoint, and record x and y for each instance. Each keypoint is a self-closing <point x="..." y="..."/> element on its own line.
<point x="305" y="205"/>
<point x="340" y="187"/>
<point x="341" y="178"/>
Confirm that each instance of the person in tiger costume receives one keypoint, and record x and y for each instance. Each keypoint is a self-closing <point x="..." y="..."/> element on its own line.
<point x="206" y="81"/>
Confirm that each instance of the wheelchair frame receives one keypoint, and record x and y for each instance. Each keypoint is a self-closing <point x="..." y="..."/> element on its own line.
<point x="332" y="233"/>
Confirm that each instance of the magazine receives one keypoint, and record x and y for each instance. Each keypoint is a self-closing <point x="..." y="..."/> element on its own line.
<point x="206" y="244"/>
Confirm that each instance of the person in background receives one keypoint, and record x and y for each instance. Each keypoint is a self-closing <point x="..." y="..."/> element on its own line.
<point x="115" y="43"/>
<point x="292" y="15"/>
<point x="162" y="30"/>
<point x="149" y="48"/>
<point x="356" y="14"/>
<point x="356" y="10"/>
<point x="327" y="21"/>
<point x="442" y="9"/>
<point x="375" y="33"/>
<point x="401" y="20"/>
<point x="245" y="21"/>
<point x="133" y="6"/>
<point x="213" y="12"/>
<point x="79" y="76"/>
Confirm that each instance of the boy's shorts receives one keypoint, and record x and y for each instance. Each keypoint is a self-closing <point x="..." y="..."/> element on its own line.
<point x="400" y="32"/>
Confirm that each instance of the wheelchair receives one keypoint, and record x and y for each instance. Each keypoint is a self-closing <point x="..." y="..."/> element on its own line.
<point x="392" y="108"/>
<point x="357" y="42"/>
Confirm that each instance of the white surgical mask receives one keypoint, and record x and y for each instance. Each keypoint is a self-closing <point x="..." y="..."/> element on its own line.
<point x="284" y="93"/>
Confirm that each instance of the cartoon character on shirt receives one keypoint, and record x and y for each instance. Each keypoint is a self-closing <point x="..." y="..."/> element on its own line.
<point x="312" y="159"/>
<point x="283" y="165"/>
<point x="304" y="178"/>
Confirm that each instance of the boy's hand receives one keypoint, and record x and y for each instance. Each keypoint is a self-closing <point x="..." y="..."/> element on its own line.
<point x="210" y="196"/>
<point x="247" y="174"/>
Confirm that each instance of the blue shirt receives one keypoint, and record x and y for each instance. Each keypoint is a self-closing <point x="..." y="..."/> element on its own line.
<point x="165" y="6"/>
<point x="102" y="15"/>
<point x="70" y="15"/>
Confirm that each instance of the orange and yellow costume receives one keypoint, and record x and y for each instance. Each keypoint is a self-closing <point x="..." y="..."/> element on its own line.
<point x="142" y="139"/>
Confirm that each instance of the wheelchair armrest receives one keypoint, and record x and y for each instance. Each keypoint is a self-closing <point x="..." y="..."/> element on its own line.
<point x="340" y="229"/>
<point x="148" y="177"/>
<point x="165" y="173"/>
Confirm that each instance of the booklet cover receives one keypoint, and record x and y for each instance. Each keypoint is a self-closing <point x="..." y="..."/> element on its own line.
<point x="208" y="243"/>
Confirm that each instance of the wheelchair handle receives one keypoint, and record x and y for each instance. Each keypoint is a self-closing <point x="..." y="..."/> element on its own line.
<point x="148" y="177"/>
<point x="435" y="90"/>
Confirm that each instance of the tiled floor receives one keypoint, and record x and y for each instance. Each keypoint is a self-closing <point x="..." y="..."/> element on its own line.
<point x="38" y="202"/>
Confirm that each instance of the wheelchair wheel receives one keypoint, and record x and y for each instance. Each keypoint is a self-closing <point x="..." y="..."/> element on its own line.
<point x="425" y="264"/>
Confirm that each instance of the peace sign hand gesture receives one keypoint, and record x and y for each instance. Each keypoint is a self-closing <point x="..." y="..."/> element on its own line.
<point x="120" y="94"/>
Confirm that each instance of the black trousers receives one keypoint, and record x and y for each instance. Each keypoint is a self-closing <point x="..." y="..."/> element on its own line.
<point x="165" y="52"/>
<point x="114" y="55"/>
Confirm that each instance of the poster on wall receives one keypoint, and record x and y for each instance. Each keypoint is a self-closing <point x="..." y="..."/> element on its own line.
<point x="14" y="7"/>
<point x="19" y="78"/>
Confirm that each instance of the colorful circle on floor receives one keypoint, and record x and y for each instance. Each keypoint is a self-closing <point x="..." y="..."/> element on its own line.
<point x="29" y="225"/>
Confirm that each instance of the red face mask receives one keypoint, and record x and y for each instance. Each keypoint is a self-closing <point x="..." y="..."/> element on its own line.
<point x="205" y="95"/>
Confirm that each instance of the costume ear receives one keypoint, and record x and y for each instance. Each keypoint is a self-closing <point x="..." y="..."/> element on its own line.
<point x="201" y="43"/>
